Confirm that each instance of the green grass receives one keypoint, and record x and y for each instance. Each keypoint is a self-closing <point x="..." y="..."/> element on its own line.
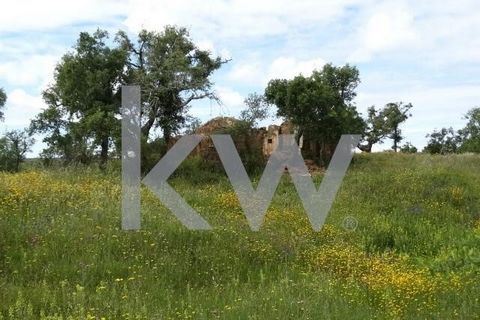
<point x="414" y="255"/>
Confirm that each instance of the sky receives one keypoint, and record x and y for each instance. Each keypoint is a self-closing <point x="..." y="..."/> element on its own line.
<point x="422" y="52"/>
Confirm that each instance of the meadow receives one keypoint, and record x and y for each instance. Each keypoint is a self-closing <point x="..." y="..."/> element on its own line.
<point x="402" y="241"/>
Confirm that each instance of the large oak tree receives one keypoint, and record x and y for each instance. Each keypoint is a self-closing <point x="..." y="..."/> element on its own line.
<point x="173" y="72"/>
<point x="319" y="106"/>
<point x="83" y="101"/>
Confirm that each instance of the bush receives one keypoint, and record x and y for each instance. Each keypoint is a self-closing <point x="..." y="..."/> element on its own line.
<point x="408" y="148"/>
<point x="7" y="159"/>
<point x="152" y="152"/>
<point x="13" y="147"/>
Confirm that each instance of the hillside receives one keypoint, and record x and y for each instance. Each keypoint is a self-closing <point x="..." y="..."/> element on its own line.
<point x="401" y="241"/>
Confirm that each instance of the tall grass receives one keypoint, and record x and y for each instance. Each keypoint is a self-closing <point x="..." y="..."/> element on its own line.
<point x="413" y="255"/>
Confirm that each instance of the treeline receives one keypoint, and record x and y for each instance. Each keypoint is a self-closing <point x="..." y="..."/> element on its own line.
<point x="447" y="140"/>
<point x="82" y="120"/>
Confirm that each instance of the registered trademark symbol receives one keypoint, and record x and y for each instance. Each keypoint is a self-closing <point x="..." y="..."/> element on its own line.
<point x="350" y="223"/>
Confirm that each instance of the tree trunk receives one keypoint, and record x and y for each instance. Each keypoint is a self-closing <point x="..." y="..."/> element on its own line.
<point x="167" y="137"/>
<point x="104" y="152"/>
<point x="395" y="136"/>
<point x="17" y="164"/>
<point x="146" y="128"/>
<point x="320" y="150"/>
<point x="18" y="157"/>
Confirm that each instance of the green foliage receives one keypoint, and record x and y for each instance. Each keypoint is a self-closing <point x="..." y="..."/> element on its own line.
<point x="383" y="123"/>
<point x="443" y="141"/>
<point x="470" y="135"/>
<point x="13" y="147"/>
<point x="408" y="148"/>
<point x="257" y="109"/>
<point x="7" y="158"/>
<point x="446" y="140"/>
<point x="172" y="72"/>
<point x="376" y="129"/>
<point x="81" y="119"/>
<point x="320" y="106"/>
<point x="152" y="152"/>
<point x="396" y="114"/>
<point x="192" y="125"/>
<point x="249" y="148"/>
<point x="83" y="101"/>
<point x="3" y="100"/>
<point x="198" y="171"/>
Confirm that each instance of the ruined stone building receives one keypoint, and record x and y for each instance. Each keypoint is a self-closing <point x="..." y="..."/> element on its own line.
<point x="270" y="137"/>
<point x="265" y="139"/>
<point x="226" y="125"/>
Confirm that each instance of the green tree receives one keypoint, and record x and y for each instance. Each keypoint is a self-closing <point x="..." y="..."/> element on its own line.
<point x="3" y="100"/>
<point x="256" y="111"/>
<point x="470" y="135"/>
<point x="84" y="100"/>
<point x="443" y="141"/>
<point x="376" y="129"/>
<point x="320" y="106"/>
<point x="384" y="123"/>
<point x="172" y="72"/>
<point x="192" y="125"/>
<point x="396" y="114"/>
<point x="13" y="148"/>
<point x="62" y="140"/>
<point x="6" y="155"/>
<point x="408" y="148"/>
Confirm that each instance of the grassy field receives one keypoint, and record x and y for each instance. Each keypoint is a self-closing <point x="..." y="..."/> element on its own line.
<point x="415" y="253"/>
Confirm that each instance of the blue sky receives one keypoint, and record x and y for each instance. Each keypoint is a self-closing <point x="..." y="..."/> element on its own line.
<point x="423" y="52"/>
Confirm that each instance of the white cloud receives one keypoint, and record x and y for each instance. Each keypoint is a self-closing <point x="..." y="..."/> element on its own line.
<point x="288" y="67"/>
<point x="231" y="104"/>
<point x="25" y="15"/>
<point x="425" y="28"/>
<point x="246" y="73"/>
<point x="209" y="46"/>
<point x="230" y="98"/>
<point x="430" y="32"/>
<point x="387" y="30"/>
<point x="281" y="68"/>
<point x="235" y="18"/>
<point x="206" y="45"/>
<point x="29" y="70"/>
<point x="21" y="107"/>
<point x="390" y="26"/>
